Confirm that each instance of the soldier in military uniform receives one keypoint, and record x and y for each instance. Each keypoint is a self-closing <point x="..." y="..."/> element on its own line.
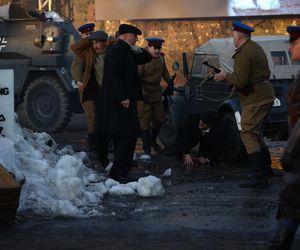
<point x="151" y="111"/>
<point x="289" y="199"/>
<point x="250" y="76"/>
<point x="91" y="50"/>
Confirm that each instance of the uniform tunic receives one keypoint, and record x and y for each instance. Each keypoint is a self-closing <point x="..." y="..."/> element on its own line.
<point x="151" y="109"/>
<point x="251" y="77"/>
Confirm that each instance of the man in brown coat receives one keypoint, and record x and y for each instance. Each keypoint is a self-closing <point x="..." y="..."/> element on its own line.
<point x="289" y="202"/>
<point x="251" y="78"/>
<point x="92" y="50"/>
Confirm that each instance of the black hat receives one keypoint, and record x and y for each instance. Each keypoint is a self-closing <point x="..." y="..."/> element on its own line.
<point x="155" y="42"/>
<point x="294" y="32"/>
<point x="241" y="27"/>
<point x="127" y="28"/>
<point x="99" y="35"/>
<point x="86" y="28"/>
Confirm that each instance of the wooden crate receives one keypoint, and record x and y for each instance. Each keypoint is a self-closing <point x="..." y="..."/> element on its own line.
<point x="9" y="197"/>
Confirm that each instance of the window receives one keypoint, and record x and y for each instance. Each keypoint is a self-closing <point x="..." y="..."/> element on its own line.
<point x="197" y="64"/>
<point x="279" y="58"/>
<point x="212" y="60"/>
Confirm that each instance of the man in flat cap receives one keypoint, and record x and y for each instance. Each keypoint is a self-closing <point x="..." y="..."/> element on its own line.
<point x="250" y="77"/>
<point x="117" y="108"/>
<point x="150" y="110"/>
<point x="289" y="199"/>
<point x="91" y="50"/>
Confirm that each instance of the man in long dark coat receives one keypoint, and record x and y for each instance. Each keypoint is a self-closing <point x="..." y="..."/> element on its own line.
<point x="117" y="107"/>
<point x="289" y="199"/>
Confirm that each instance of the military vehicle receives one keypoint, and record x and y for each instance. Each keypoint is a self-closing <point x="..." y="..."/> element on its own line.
<point x="201" y="94"/>
<point x="36" y="45"/>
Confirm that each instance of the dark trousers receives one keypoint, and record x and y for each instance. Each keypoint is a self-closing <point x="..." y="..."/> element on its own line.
<point x="124" y="150"/>
<point x="102" y="148"/>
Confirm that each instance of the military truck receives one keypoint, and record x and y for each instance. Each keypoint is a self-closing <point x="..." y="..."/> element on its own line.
<point x="36" y="45"/>
<point x="201" y="94"/>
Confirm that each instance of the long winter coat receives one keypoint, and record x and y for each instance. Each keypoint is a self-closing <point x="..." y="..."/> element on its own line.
<point x="83" y="68"/>
<point x="120" y="82"/>
<point x="289" y="203"/>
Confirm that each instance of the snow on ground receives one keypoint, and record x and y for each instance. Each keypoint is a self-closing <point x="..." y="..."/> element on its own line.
<point x="57" y="183"/>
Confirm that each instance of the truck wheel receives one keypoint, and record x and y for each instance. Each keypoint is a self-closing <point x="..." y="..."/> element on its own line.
<point x="233" y="147"/>
<point x="169" y="132"/>
<point x="46" y="105"/>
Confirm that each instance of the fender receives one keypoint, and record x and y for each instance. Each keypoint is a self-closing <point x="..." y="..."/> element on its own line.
<point x="233" y="106"/>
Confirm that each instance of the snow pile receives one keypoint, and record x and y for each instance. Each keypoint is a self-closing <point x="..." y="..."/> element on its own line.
<point x="57" y="183"/>
<point x="150" y="186"/>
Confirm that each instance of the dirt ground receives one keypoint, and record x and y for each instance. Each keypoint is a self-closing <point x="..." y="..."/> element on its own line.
<point x="203" y="208"/>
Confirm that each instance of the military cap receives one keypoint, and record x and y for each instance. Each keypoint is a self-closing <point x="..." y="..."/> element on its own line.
<point x="155" y="42"/>
<point x="241" y="27"/>
<point x="88" y="27"/>
<point x="98" y="35"/>
<point x="294" y="32"/>
<point x="127" y="28"/>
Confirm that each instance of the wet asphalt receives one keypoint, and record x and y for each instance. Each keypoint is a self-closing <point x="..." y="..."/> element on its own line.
<point x="203" y="208"/>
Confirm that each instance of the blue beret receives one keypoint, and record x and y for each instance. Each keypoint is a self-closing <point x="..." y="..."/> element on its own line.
<point x="99" y="35"/>
<point x="88" y="27"/>
<point x="127" y="28"/>
<point x="294" y="32"/>
<point x="241" y="27"/>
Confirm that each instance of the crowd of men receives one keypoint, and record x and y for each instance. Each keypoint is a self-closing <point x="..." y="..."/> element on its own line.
<point x="120" y="87"/>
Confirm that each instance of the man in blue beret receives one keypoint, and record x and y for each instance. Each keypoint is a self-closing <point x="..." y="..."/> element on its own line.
<point x="92" y="50"/>
<point x="150" y="110"/>
<point x="250" y="77"/>
<point x="289" y="199"/>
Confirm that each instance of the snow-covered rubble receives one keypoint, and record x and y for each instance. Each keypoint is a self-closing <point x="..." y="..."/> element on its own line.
<point x="57" y="183"/>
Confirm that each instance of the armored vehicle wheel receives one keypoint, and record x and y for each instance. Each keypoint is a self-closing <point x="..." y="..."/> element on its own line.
<point x="46" y="106"/>
<point x="169" y="132"/>
<point x="233" y="147"/>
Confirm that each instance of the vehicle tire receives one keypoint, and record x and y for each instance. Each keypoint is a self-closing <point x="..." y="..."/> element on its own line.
<point x="168" y="132"/>
<point x="233" y="147"/>
<point x="46" y="106"/>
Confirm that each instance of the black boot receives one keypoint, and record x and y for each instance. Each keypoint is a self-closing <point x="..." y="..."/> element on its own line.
<point x="258" y="179"/>
<point x="268" y="162"/>
<point x="283" y="239"/>
<point x="154" y="144"/>
<point x="146" y="145"/>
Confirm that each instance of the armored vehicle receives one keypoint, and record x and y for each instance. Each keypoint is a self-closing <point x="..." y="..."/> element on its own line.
<point x="36" y="46"/>
<point x="201" y="94"/>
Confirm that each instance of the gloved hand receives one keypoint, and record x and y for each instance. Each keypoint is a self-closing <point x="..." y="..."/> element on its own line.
<point x="286" y="162"/>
